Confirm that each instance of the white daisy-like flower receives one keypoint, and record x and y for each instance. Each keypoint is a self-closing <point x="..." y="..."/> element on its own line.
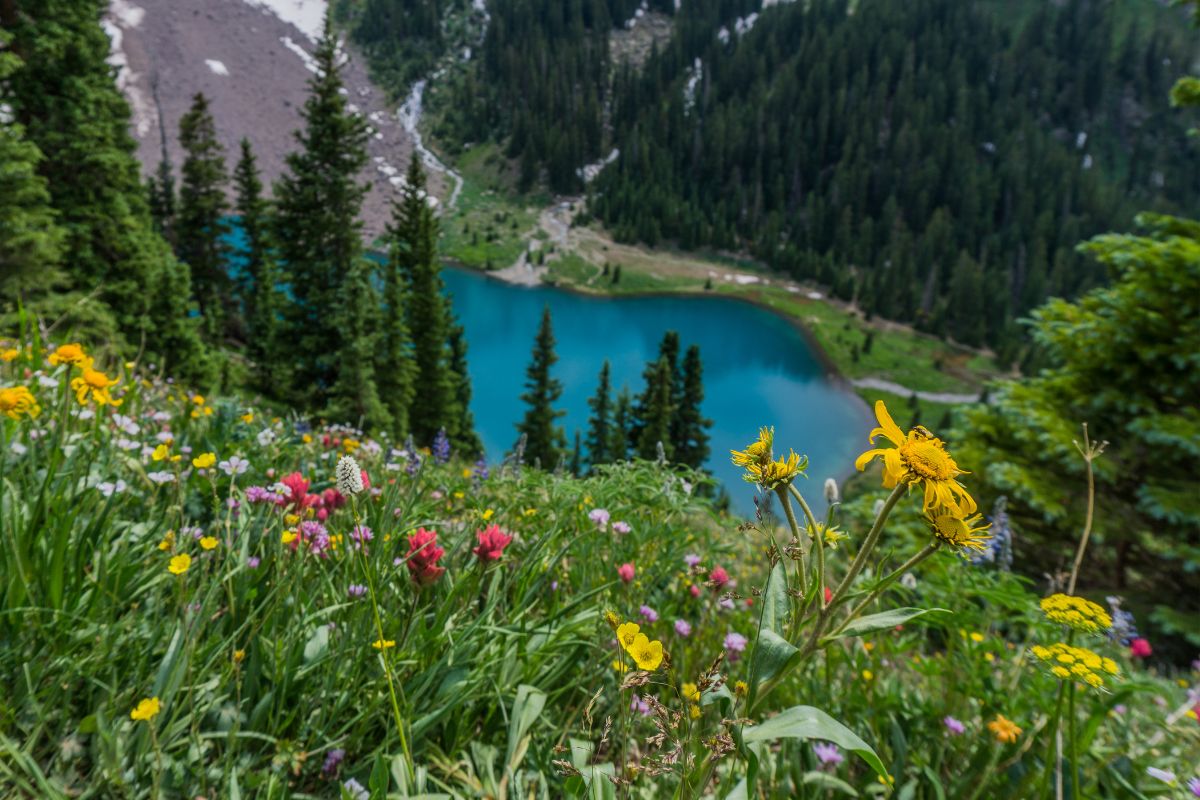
<point x="265" y="437"/>
<point x="109" y="488"/>
<point x="234" y="465"/>
<point x="161" y="476"/>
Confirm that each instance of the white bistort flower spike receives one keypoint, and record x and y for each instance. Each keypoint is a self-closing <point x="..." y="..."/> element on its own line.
<point x="349" y="476"/>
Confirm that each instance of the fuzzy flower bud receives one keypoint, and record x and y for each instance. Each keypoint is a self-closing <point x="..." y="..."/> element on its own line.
<point x="831" y="491"/>
<point x="349" y="476"/>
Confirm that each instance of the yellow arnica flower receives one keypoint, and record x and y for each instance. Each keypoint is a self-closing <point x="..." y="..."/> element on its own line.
<point x="94" y="384"/>
<point x="17" y="402"/>
<point x="248" y="417"/>
<point x="760" y="465"/>
<point x="146" y="710"/>
<point x="757" y="453"/>
<point x="179" y="564"/>
<point x="690" y="692"/>
<point x="958" y="531"/>
<point x="1076" y="612"/>
<point x="626" y="634"/>
<point x="919" y="457"/>
<point x="383" y="644"/>
<point x="204" y="460"/>
<point x="208" y="542"/>
<point x="9" y="354"/>
<point x="1005" y="730"/>
<point x="68" y="354"/>
<point x="1067" y="662"/>
<point x="741" y="688"/>
<point x="647" y="654"/>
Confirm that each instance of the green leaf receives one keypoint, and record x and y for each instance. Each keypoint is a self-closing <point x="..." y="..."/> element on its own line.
<point x="824" y="780"/>
<point x="771" y="655"/>
<point x="525" y="711"/>
<point x="882" y="621"/>
<point x="720" y="695"/>
<point x="806" y="722"/>
<point x="775" y="600"/>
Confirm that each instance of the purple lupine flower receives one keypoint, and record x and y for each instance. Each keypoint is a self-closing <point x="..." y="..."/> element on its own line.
<point x="356" y="590"/>
<point x="481" y="470"/>
<point x="683" y="628"/>
<point x="252" y="562"/>
<point x="621" y="527"/>
<point x="735" y="643"/>
<point x="649" y="614"/>
<point x="952" y="725"/>
<point x="441" y="447"/>
<point x="599" y="516"/>
<point x="691" y="559"/>
<point x="332" y="760"/>
<point x="828" y="753"/>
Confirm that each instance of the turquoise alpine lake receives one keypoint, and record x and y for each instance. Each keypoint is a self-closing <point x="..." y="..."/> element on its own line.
<point x="758" y="370"/>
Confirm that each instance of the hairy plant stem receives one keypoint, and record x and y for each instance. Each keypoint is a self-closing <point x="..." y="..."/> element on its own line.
<point x="802" y="568"/>
<point x="818" y="542"/>
<point x="1090" y="453"/>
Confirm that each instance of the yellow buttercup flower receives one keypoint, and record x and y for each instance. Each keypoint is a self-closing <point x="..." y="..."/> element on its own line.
<point x="94" y="384"/>
<point x="287" y="537"/>
<point x="179" y="564"/>
<point x="919" y="457"/>
<point x="208" y="542"/>
<point x="619" y="665"/>
<point x="958" y="531"/>
<point x="146" y="710"/>
<point x="160" y="452"/>
<point x="10" y="354"/>
<point x="383" y="644"/>
<point x="627" y="633"/>
<point x="68" y="354"/>
<point x="204" y="460"/>
<point x="690" y="692"/>
<point x="1076" y="612"/>
<point x="167" y="542"/>
<point x="1005" y="730"/>
<point x="17" y="402"/>
<point x="647" y="654"/>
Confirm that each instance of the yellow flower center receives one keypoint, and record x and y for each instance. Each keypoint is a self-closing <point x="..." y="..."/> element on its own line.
<point x="928" y="459"/>
<point x="95" y="379"/>
<point x="951" y="529"/>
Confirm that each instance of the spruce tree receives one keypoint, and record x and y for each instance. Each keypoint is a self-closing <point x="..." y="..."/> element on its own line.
<point x="690" y="425"/>
<point x="160" y="193"/>
<point x="462" y="431"/>
<point x="317" y="231"/>
<point x="655" y="412"/>
<point x="259" y="287"/>
<point x="622" y="425"/>
<point x="397" y="368"/>
<point x="577" y="455"/>
<point x="600" y="425"/>
<point x="200" y="229"/>
<point x="668" y="350"/>
<point x="544" y="439"/>
<point x="354" y="396"/>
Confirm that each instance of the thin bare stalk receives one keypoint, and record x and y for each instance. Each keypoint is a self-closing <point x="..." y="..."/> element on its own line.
<point x="1090" y="453"/>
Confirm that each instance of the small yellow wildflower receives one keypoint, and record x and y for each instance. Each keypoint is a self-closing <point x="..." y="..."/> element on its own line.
<point x="1065" y="661"/>
<point x="198" y="399"/>
<point x="291" y="519"/>
<point x="94" y="384"/>
<point x="288" y="536"/>
<point x="17" y="402"/>
<point x="626" y="634"/>
<point x="306" y="438"/>
<point x="204" y="460"/>
<point x="957" y="531"/>
<point x="68" y="354"/>
<point x="459" y="495"/>
<point x="757" y="453"/>
<point x="179" y="564"/>
<point x="248" y="417"/>
<point x="529" y="512"/>
<point x="867" y="675"/>
<point x="10" y="354"/>
<point x="146" y="710"/>
<point x="208" y="542"/>
<point x="160" y="452"/>
<point x="976" y="637"/>
<point x="383" y="644"/>
<point x="619" y="665"/>
<point x="648" y="654"/>
<point x="759" y="466"/>
<point x="168" y="541"/>
<point x="350" y="445"/>
<point x="612" y="619"/>
<point x="694" y="712"/>
<point x="239" y="656"/>
<point x="488" y="514"/>
<point x="690" y="692"/>
<point x="1076" y="612"/>
<point x="1005" y="730"/>
<point x="741" y="688"/>
<point x="919" y="457"/>
<point x="466" y="473"/>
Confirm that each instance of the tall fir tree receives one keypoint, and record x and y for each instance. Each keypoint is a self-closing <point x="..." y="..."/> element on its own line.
<point x="200" y="228"/>
<point x="576" y="465"/>
<point x="655" y="412"/>
<point x="414" y="232"/>
<point x="600" y="424"/>
<point x="622" y="426"/>
<point x="316" y="227"/>
<point x="354" y="396"/>
<point x="65" y="96"/>
<point x="160" y="193"/>
<point x="544" y="438"/>
<point x="397" y="367"/>
<point x="646" y="406"/>
<point x="261" y="302"/>
<point x="462" y="432"/>
<point x="689" y="423"/>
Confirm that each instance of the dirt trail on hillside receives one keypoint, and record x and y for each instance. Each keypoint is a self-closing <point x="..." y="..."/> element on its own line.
<point x="254" y="68"/>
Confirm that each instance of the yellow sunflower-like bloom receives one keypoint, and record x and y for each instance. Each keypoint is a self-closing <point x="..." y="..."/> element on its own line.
<point x="756" y="453"/>
<point x="17" y="402"/>
<point x="1076" y="613"/>
<point x="1066" y="662"/>
<point x="209" y="542"/>
<point x="147" y="709"/>
<point x="647" y="654"/>
<point x="94" y="384"/>
<point x="72" y="354"/>
<point x="958" y="532"/>
<point x="761" y="466"/>
<point x="1004" y="729"/>
<point x="919" y="457"/>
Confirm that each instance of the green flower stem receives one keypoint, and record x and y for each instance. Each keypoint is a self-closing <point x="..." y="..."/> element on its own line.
<point x="818" y="540"/>
<point x="920" y="556"/>
<point x="801" y="571"/>
<point x="1073" y="741"/>
<point x="869" y="543"/>
<point x="1052" y="764"/>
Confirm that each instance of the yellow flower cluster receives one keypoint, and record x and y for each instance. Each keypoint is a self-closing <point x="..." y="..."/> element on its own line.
<point x="761" y="466"/>
<point x="1076" y="613"/>
<point x="17" y="402"/>
<point x="1078" y="663"/>
<point x="646" y="653"/>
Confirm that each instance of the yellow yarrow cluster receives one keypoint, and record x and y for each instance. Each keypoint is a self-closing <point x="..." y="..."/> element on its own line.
<point x="645" y="652"/>
<point x="1075" y="663"/>
<point x="1076" y="613"/>
<point x="761" y="466"/>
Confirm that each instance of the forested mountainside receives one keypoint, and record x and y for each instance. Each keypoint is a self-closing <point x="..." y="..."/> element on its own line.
<point x="936" y="161"/>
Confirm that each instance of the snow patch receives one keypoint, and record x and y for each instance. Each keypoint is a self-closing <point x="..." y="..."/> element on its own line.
<point x="743" y="25"/>
<point x="695" y="74"/>
<point x="588" y="172"/>
<point x="124" y="14"/>
<point x="815" y="296"/>
<point x="310" y="63"/>
<point x="746" y="280"/>
<point x="217" y="67"/>
<point x="307" y="16"/>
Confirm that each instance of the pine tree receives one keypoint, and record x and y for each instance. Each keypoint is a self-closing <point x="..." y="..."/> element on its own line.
<point x="354" y="396"/>
<point x="462" y="431"/>
<point x="200" y="228"/>
<point x="544" y="439"/>
<point x="622" y="424"/>
<point x="160" y="192"/>
<point x="668" y="350"/>
<point x="317" y="230"/>
<point x="690" y="425"/>
<point x="600" y="426"/>
<point x="655" y="412"/>
<point x="577" y="455"/>
<point x="259" y="288"/>
<point x="397" y="369"/>
<point x="414" y="233"/>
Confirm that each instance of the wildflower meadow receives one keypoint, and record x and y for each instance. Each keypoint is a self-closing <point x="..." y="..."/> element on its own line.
<point x="202" y="599"/>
